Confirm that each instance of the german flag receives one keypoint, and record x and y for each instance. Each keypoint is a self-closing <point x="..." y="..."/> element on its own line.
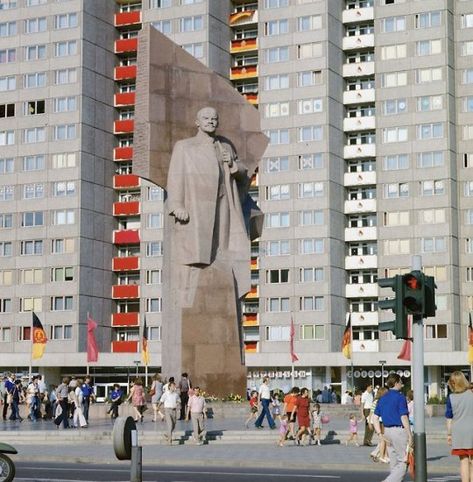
<point x="39" y="338"/>
<point x="470" y="342"/>
<point x="144" y="345"/>
<point x="346" y="340"/>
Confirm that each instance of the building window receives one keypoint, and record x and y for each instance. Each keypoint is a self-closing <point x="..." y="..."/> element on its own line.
<point x="278" y="136"/>
<point x="31" y="248"/>
<point x="153" y="277"/>
<point x="61" y="303"/>
<point x="310" y="189"/>
<point x="61" y="332"/>
<point x="394" y="79"/>
<point x="309" y="50"/>
<point x="467" y="20"/>
<point x="395" y="134"/>
<point x="394" y="106"/>
<point x="7" y="138"/>
<point x="432" y="188"/>
<point x="7" y="165"/>
<point x="276" y="82"/>
<point x="309" y="77"/>
<point x="33" y="191"/>
<point x="277" y="54"/>
<point x="34" y="135"/>
<point x="196" y="50"/>
<point x="428" y="47"/>
<point x="277" y="192"/>
<point x="277" y="164"/>
<point x="277" y="276"/>
<point x="154" y="305"/>
<point x="277" y="333"/>
<point x="5" y="305"/>
<point x="155" y="220"/>
<point x="65" y="48"/>
<point x="396" y="218"/>
<point x="34" y="3"/>
<point x="276" y="3"/>
<point x="65" y="76"/>
<point x="276" y="27"/>
<point x="160" y="3"/>
<point x="65" y="132"/>
<point x="6" y="221"/>
<point x="35" y="52"/>
<point x="64" y="188"/>
<point x="396" y="162"/>
<point x="432" y="216"/>
<point x="163" y="26"/>
<point x="24" y="333"/>
<point x="62" y="245"/>
<point x="278" y="248"/>
<point x="7" y="193"/>
<point x="310" y="133"/>
<point x="393" y="24"/>
<point x="34" y="107"/>
<point x="429" y="75"/>
<point x="31" y="276"/>
<point x="311" y="275"/>
<point x="309" y="22"/>
<point x="311" y="218"/>
<point x="430" y="131"/>
<point x="433" y="245"/>
<point x="5" y="248"/>
<point x="154" y="333"/>
<point x="391" y="52"/>
<point x="310" y="161"/>
<point x="277" y="220"/>
<point x="33" y="163"/>
<point x="429" y="102"/>
<point x="396" y="190"/>
<point x="62" y="274"/>
<point x="7" y="56"/>
<point x="35" y="25"/>
<point x="432" y="332"/>
<point x="311" y="246"/>
<point x="311" y="303"/>
<point x="7" y="83"/>
<point x="312" y="332"/>
<point x="428" y="19"/>
<point x="63" y="160"/>
<point x="467" y="48"/>
<point x="7" y="29"/>
<point x="31" y="304"/>
<point x="65" y="104"/>
<point x="309" y="106"/>
<point x="36" y="79"/>
<point x="63" y="216"/>
<point x="192" y="24"/>
<point x="277" y="305"/>
<point x="155" y="193"/>
<point x="5" y="334"/>
<point x="32" y="219"/>
<point x="66" y="20"/>
<point x="154" y="248"/>
<point x="276" y="109"/>
<point x="430" y="159"/>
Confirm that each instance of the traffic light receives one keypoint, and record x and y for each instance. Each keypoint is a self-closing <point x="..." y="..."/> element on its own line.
<point x="399" y="325"/>
<point x="429" y="299"/>
<point x="414" y="293"/>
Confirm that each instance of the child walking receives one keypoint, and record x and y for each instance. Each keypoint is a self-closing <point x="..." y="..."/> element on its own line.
<point x="353" y="428"/>
<point x="276" y="407"/>
<point x="316" y="424"/>
<point x="253" y="407"/>
<point x="283" y="428"/>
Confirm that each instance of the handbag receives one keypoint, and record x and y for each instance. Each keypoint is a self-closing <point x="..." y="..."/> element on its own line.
<point x="325" y="419"/>
<point x="10" y="398"/>
<point x="411" y="462"/>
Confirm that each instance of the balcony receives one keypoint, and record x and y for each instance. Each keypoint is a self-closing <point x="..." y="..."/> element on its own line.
<point x="245" y="72"/>
<point x="125" y="291"/>
<point x="122" y="153"/>
<point x="125" y="346"/>
<point x="126" y="236"/>
<point x="123" y="126"/>
<point x="124" y="72"/>
<point x="126" y="181"/>
<point x="251" y="98"/>
<point x="128" y="263"/>
<point x="361" y="234"/>
<point x="127" y="18"/>
<point x="243" y="45"/>
<point x="243" y="18"/>
<point x="251" y="347"/>
<point x="361" y="262"/>
<point x="368" y="290"/>
<point x="367" y="123"/>
<point x="359" y="178"/>
<point x="254" y="263"/>
<point x="358" y="69"/>
<point x="125" y="319"/>
<point x="123" y="99"/>
<point x="127" y="208"/>
<point x="359" y="150"/>
<point x="361" y="96"/>
<point x="127" y="45"/>
<point x="365" y="346"/>
<point x="355" y="15"/>
<point x="252" y="294"/>
<point x="358" y="42"/>
<point x="364" y="318"/>
<point x="252" y="308"/>
<point x="251" y="319"/>
<point x="360" y="206"/>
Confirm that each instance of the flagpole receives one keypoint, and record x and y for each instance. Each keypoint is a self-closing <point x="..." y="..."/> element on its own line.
<point x="30" y="368"/>
<point x="146" y="375"/>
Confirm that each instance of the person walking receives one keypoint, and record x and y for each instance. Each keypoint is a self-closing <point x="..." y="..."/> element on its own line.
<point x="379" y="454"/>
<point x="16" y="397"/>
<point x="367" y="400"/>
<point x="264" y="397"/>
<point x="459" y="414"/>
<point x="392" y="409"/>
<point x="87" y="396"/>
<point x="196" y="410"/>
<point x="352" y="430"/>
<point x="288" y="408"/>
<point x="316" y="424"/>
<point x="116" y="400"/>
<point x="156" y="394"/>
<point x="253" y="402"/>
<point x="184" y="386"/>
<point x="62" y="408"/>
<point x="302" y="407"/>
<point x="137" y="397"/>
<point x="170" y="401"/>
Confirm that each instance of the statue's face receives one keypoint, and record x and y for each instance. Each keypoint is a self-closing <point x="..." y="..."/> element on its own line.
<point x="207" y="120"/>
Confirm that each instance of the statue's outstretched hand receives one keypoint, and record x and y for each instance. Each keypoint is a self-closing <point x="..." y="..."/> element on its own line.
<point x="181" y="215"/>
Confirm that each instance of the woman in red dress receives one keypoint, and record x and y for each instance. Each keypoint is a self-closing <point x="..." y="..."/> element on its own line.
<point x="302" y="407"/>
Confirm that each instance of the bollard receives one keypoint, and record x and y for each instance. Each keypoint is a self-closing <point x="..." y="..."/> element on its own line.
<point x="136" y="464"/>
<point x="125" y="445"/>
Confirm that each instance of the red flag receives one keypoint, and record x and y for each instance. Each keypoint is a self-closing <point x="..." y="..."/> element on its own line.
<point x="92" y="348"/>
<point x="294" y="357"/>
<point x="470" y="341"/>
<point x="405" y="353"/>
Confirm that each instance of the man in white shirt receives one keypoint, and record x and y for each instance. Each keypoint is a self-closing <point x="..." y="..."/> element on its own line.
<point x="171" y="402"/>
<point x="196" y="408"/>
<point x="367" y="400"/>
<point x="264" y="397"/>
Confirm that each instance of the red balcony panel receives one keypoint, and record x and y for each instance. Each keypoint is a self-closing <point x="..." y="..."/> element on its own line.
<point x="241" y="17"/>
<point x="125" y="346"/>
<point x="122" y="126"/>
<point x="125" y="99"/>
<point x="126" y="291"/>
<point x="244" y="45"/>
<point x="124" y="72"/>
<point x="122" y="153"/>
<point x="126" y="236"/>
<point x="129" y="263"/>
<point x="251" y="346"/>
<point x="245" y="72"/>
<point x="126" y="208"/>
<point x="125" y="319"/>
<point x="126" y="45"/>
<point x="125" y="181"/>
<point x="127" y="18"/>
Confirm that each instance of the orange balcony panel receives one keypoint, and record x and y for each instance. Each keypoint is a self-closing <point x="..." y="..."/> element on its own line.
<point x="125" y="319"/>
<point x="251" y="98"/>
<point x="250" y="322"/>
<point x="243" y="45"/>
<point x="127" y="18"/>
<point x="128" y="263"/>
<point x="245" y="16"/>
<point x="126" y="236"/>
<point x="125" y="346"/>
<point x="126" y="45"/>
<point x="122" y="153"/>
<point x="247" y="72"/>
<point x="125" y="181"/>
<point x="125" y="291"/>
<point x="123" y="126"/>
<point x="254" y="263"/>
<point x="126" y="208"/>
<point x="123" y="99"/>
<point x="252" y="294"/>
<point x="251" y="346"/>
<point x="124" y="72"/>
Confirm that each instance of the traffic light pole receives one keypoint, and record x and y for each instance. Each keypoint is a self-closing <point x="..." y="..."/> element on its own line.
<point x="420" y="447"/>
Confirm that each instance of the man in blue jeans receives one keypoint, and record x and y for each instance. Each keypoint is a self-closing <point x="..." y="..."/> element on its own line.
<point x="264" y="397"/>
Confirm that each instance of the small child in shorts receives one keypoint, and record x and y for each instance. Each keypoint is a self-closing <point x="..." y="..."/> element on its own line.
<point x="276" y="407"/>
<point x="353" y="429"/>
<point x="283" y="428"/>
<point x="253" y="407"/>
<point x="316" y="424"/>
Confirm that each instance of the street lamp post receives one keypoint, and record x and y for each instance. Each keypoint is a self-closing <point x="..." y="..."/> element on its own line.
<point x="382" y="363"/>
<point x="137" y="364"/>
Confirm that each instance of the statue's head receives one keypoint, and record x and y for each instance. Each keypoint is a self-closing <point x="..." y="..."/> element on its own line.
<point x="207" y="120"/>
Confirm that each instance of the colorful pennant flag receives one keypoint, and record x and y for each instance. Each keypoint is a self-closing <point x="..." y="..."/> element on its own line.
<point x="346" y="340"/>
<point x="470" y="341"/>
<point x="92" y="348"/>
<point x="39" y="338"/>
<point x="144" y="345"/>
<point x="294" y="357"/>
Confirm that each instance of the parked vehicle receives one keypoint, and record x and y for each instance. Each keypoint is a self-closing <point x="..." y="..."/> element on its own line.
<point x="7" y="467"/>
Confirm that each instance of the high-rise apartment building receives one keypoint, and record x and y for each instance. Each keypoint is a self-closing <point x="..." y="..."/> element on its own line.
<point x="368" y="105"/>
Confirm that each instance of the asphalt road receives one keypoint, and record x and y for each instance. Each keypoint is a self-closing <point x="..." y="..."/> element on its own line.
<point x="53" y="472"/>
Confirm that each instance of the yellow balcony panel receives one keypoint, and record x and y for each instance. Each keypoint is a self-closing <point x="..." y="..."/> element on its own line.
<point x="245" y="72"/>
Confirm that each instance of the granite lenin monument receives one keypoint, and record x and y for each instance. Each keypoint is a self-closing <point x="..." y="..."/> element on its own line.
<point x="209" y="217"/>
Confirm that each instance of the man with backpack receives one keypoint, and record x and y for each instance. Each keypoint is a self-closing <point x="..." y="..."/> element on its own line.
<point x="87" y="395"/>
